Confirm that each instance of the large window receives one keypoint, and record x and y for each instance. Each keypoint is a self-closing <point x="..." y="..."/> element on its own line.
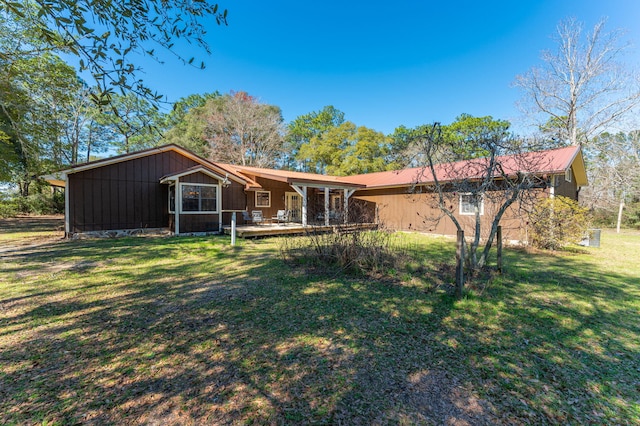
<point x="263" y="199"/>
<point x="469" y="202"/>
<point x="199" y="198"/>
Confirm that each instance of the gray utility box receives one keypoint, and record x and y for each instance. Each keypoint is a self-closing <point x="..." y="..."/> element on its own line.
<point x="592" y="239"/>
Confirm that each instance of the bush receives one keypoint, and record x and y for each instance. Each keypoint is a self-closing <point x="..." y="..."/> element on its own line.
<point x="12" y="204"/>
<point x="355" y="251"/>
<point x="556" y="222"/>
<point x="8" y="209"/>
<point x="631" y="215"/>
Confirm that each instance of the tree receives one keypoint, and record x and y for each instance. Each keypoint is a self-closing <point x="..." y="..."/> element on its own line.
<point x="493" y="182"/>
<point x="104" y="35"/>
<point x="35" y="100"/>
<point x="466" y="136"/>
<point x="306" y="127"/>
<point x="134" y="119"/>
<point x="347" y="150"/>
<point x="241" y="130"/>
<point x="581" y="88"/>
<point x="614" y="165"/>
<point x="556" y="222"/>
<point x="185" y="125"/>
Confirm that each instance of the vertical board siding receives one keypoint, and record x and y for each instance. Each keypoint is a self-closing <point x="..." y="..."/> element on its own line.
<point x="125" y="195"/>
<point x="399" y="210"/>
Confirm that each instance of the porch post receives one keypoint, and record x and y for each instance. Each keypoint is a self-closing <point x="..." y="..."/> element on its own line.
<point x="304" y="206"/>
<point x="347" y="193"/>
<point x="219" y="189"/>
<point x="178" y="207"/>
<point x="326" y="206"/>
<point x="233" y="228"/>
<point x="67" y="213"/>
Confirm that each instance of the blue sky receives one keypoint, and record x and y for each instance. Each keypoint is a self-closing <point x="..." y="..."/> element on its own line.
<point x="384" y="63"/>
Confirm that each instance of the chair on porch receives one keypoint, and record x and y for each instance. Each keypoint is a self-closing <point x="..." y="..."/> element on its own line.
<point x="282" y="216"/>
<point x="256" y="216"/>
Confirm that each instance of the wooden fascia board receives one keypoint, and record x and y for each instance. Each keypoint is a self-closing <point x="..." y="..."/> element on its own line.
<point x="58" y="179"/>
<point x="200" y="169"/>
<point x="324" y="184"/>
<point x="151" y="151"/>
<point x="579" y="169"/>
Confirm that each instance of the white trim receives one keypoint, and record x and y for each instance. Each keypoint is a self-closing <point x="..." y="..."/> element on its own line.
<point x="568" y="175"/>
<point x="199" y="169"/>
<point x="182" y="184"/>
<point x="327" y="184"/>
<point x="255" y="199"/>
<point x="347" y="194"/>
<point x="462" y="213"/>
<point x="67" y="221"/>
<point x="326" y="206"/>
<point x="302" y="191"/>
<point x="174" y="197"/>
<point x="108" y="161"/>
<point x="178" y="209"/>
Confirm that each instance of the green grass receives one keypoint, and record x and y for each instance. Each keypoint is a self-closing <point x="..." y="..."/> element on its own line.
<point x="192" y="330"/>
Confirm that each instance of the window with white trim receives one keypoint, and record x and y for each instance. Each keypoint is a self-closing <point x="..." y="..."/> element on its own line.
<point x="263" y="198"/>
<point x="172" y="198"/>
<point x="568" y="175"/>
<point x="199" y="198"/>
<point x="469" y="202"/>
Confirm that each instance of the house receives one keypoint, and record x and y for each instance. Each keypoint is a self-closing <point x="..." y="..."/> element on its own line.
<point x="402" y="204"/>
<point x="169" y="187"/>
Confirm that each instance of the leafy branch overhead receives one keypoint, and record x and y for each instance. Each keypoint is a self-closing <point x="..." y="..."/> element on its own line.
<point x="104" y="34"/>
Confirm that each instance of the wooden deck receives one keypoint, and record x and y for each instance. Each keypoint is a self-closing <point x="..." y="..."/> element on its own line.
<point x="267" y="230"/>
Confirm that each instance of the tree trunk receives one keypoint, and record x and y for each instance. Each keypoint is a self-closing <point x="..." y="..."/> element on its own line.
<point x="460" y="264"/>
<point x="620" y="215"/>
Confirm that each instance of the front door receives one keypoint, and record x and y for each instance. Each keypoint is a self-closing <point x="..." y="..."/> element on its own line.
<point x="293" y="203"/>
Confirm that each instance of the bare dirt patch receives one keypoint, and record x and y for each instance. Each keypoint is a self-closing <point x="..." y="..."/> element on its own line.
<point x="27" y="231"/>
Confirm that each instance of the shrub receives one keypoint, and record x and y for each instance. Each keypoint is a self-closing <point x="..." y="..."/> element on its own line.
<point x="354" y="251"/>
<point x="45" y="202"/>
<point x="556" y="222"/>
<point x="631" y="215"/>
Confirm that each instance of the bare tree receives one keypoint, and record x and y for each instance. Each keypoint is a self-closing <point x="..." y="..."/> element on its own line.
<point x="489" y="185"/>
<point x="582" y="88"/>
<point x="614" y="172"/>
<point x="243" y="131"/>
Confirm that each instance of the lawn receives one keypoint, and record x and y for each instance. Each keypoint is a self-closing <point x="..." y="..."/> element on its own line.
<point x="191" y="330"/>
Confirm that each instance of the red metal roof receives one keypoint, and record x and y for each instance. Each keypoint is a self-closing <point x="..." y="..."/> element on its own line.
<point x="288" y="176"/>
<point x="552" y="162"/>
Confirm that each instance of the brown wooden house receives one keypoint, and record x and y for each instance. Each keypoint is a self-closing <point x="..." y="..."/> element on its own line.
<point x="172" y="188"/>
<point x="402" y="204"/>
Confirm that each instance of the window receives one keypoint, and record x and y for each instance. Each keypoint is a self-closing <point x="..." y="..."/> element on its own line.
<point x="469" y="202"/>
<point x="568" y="175"/>
<point x="263" y="199"/>
<point x="199" y="198"/>
<point x="336" y="202"/>
<point x="172" y="198"/>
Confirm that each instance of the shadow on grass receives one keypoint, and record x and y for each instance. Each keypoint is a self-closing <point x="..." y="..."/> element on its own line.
<point x="180" y="330"/>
